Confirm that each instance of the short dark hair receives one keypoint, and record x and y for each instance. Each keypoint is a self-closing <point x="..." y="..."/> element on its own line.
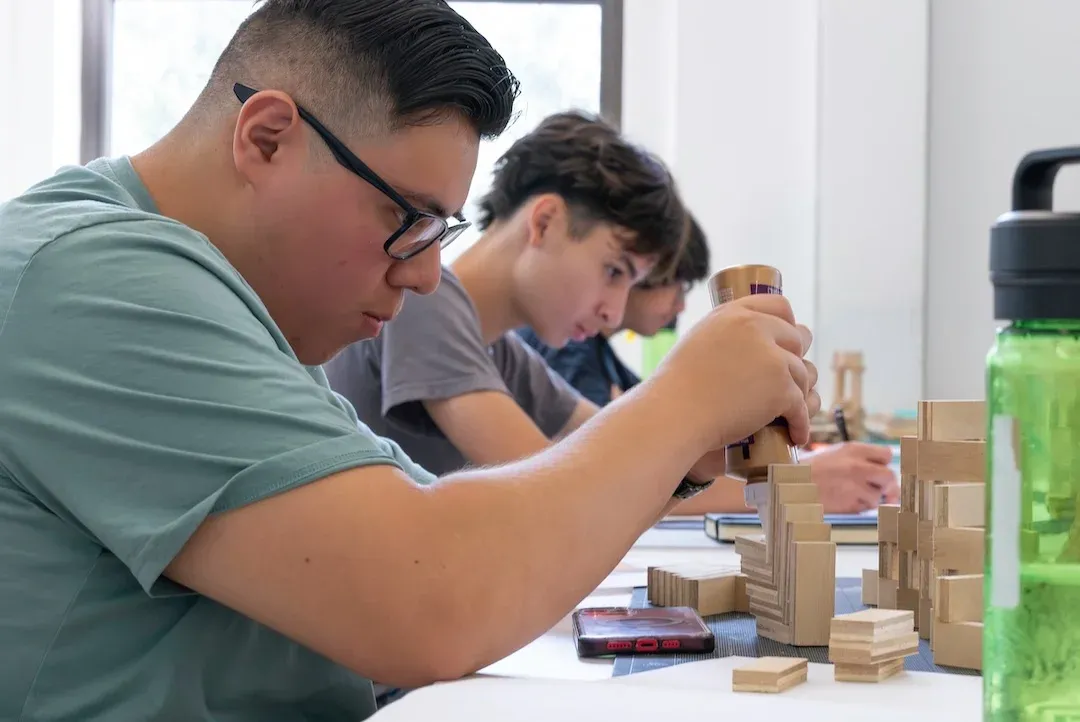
<point x="379" y="64"/>
<point x="603" y="177"/>
<point x="692" y="264"/>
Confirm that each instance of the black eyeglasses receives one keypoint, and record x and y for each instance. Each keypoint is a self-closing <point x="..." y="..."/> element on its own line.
<point x="418" y="230"/>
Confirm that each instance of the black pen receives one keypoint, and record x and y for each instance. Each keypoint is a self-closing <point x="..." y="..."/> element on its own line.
<point x="841" y="424"/>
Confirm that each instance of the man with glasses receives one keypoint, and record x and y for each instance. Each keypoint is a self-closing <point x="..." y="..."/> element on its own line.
<point x="193" y="525"/>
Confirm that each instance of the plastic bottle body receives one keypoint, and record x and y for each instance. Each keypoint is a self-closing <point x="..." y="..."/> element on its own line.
<point x="1031" y="641"/>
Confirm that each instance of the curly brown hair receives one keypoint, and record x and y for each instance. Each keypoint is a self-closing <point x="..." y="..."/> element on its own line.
<point x="603" y="177"/>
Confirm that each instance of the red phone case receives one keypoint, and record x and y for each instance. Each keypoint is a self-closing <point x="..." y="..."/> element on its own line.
<point x="601" y="631"/>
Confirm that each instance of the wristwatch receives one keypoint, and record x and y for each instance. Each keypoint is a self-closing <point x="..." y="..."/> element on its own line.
<point x="689" y="487"/>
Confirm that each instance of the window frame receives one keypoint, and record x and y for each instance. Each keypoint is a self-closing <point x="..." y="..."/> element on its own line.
<point x="96" y="102"/>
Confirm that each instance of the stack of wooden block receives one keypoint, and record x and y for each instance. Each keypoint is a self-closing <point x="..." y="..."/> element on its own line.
<point x="791" y="569"/>
<point x="930" y="559"/>
<point x="871" y="645"/>
<point x="769" y="674"/>
<point x="709" y="588"/>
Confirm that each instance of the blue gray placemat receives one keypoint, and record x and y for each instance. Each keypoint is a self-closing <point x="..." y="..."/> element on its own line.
<point x="736" y="635"/>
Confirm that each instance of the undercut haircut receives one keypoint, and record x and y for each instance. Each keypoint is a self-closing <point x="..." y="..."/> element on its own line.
<point x="692" y="264"/>
<point x="370" y="65"/>
<point x="603" y="177"/>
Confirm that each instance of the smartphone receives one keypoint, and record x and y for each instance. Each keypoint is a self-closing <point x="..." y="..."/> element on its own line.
<point x="604" y="631"/>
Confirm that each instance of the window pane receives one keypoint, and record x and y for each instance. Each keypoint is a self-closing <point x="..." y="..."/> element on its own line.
<point x="554" y="50"/>
<point x="163" y="52"/>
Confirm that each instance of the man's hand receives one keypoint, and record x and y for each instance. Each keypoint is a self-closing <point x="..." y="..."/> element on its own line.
<point x="853" y="477"/>
<point x="739" y="368"/>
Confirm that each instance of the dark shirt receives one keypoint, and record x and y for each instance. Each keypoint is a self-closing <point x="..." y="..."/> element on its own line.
<point x="590" y="366"/>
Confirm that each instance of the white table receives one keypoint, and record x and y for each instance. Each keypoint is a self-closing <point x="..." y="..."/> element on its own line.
<point x="553" y="656"/>
<point x="545" y="680"/>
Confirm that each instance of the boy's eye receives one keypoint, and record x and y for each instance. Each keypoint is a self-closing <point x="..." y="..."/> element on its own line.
<point x="613" y="272"/>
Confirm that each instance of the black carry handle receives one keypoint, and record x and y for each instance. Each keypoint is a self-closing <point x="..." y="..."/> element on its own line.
<point x="1033" y="182"/>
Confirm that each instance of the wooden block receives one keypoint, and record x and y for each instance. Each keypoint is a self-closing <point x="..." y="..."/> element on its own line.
<point x="909" y="453"/>
<point x="769" y="674"/>
<point x="908" y="600"/>
<point x="909" y="493"/>
<point x="888" y="561"/>
<point x="776" y="631"/>
<point x="874" y="652"/>
<point x="871" y="624"/>
<point x="887" y="593"/>
<point x="962" y="504"/>
<point x="926" y="499"/>
<point x="927" y="585"/>
<point x="887" y="522"/>
<point x="651" y="585"/>
<point x="960" y="598"/>
<point x="925" y="531"/>
<point x="869" y="587"/>
<point x="908" y="574"/>
<point x="925" y="618"/>
<point x="949" y="420"/>
<point x="867" y="672"/>
<point x="907" y="528"/>
<point x="952" y="461"/>
<point x="814" y="593"/>
<point x="958" y="644"/>
<point x="809" y="531"/>
<point x="742" y="601"/>
<point x="908" y="577"/>
<point x="959" y="550"/>
<point x="790" y="474"/>
<point x="752" y="547"/>
<point x="676" y="584"/>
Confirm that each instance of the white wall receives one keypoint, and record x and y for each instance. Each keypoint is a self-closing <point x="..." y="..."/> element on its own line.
<point x="40" y="45"/>
<point x="871" y="193"/>
<point x="1003" y="82"/>
<point x="797" y="132"/>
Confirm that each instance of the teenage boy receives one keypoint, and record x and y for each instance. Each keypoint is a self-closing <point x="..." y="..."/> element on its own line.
<point x="576" y="215"/>
<point x="851" y="477"/>
<point x="591" y="365"/>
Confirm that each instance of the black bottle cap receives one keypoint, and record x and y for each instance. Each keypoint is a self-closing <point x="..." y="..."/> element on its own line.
<point x="1035" y="252"/>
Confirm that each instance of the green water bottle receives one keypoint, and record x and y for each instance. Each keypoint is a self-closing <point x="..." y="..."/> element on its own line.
<point x="1031" y="634"/>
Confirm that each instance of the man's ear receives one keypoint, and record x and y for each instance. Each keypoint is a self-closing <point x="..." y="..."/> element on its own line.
<point x="267" y="128"/>
<point x="547" y="217"/>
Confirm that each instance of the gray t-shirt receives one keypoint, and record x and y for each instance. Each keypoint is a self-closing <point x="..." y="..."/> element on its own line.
<point x="434" y="350"/>
<point x="144" y="387"/>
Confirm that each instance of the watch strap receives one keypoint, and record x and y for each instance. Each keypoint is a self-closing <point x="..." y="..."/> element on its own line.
<point x="688" y="488"/>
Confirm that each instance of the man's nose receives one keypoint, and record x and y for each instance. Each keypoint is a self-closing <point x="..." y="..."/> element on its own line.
<point x="421" y="273"/>
<point x="613" y="308"/>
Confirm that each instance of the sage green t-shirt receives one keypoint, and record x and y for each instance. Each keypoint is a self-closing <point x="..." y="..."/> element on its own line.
<point x="143" y="387"/>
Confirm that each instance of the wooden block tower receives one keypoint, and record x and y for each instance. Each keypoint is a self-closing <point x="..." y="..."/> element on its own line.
<point x="871" y="645"/>
<point x="930" y="546"/>
<point x="849" y="365"/>
<point x="787" y="576"/>
<point x="790" y="569"/>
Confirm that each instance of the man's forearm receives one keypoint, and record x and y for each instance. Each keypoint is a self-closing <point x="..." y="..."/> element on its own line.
<point x="586" y="499"/>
